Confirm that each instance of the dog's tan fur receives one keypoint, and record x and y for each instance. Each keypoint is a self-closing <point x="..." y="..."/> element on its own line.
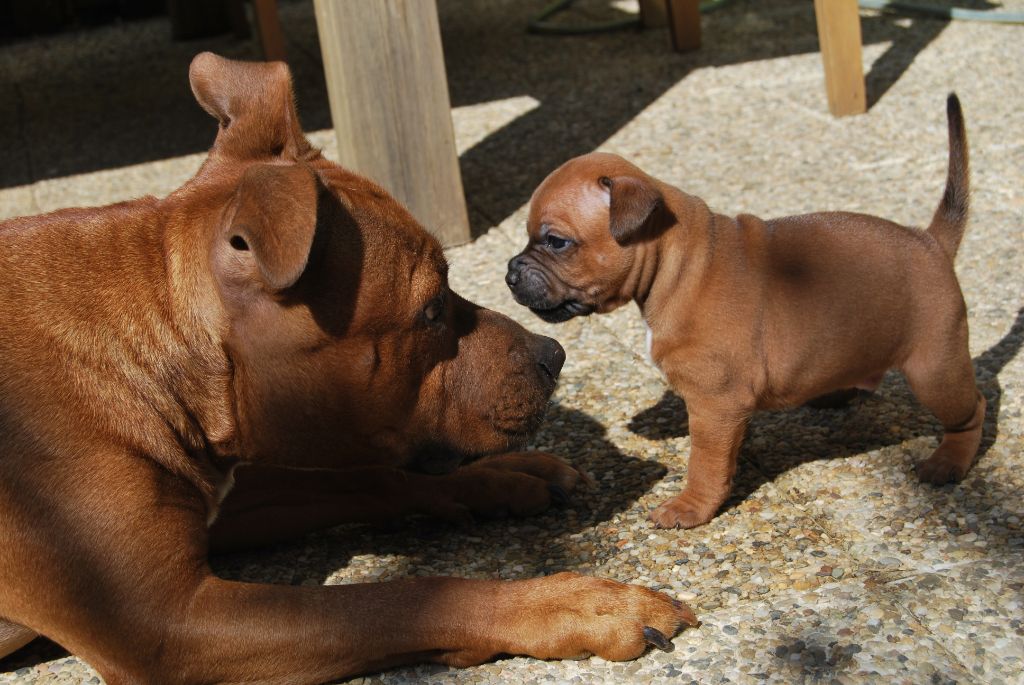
<point x="276" y="311"/>
<point x="747" y="314"/>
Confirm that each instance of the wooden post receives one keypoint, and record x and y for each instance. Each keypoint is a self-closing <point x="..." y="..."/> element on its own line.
<point x="390" y="107"/>
<point x="653" y="13"/>
<point x="684" y="24"/>
<point x="268" y="26"/>
<point x="839" y="36"/>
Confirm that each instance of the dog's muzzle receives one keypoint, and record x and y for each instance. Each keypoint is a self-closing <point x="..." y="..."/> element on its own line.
<point x="533" y="287"/>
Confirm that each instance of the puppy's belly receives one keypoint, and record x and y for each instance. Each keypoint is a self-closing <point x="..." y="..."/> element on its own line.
<point x="870" y="383"/>
<point x="821" y="391"/>
<point x="791" y="393"/>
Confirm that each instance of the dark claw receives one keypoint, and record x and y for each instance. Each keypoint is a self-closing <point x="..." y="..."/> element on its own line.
<point x="558" y="495"/>
<point x="655" y="637"/>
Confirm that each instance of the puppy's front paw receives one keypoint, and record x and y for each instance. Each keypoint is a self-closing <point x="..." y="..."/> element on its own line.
<point x="940" y="469"/>
<point x="683" y="511"/>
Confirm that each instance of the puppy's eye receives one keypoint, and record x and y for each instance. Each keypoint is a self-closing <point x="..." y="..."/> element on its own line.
<point x="434" y="309"/>
<point x="557" y="242"/>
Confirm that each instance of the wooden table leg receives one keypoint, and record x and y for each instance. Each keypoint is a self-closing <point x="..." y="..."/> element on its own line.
<point x="389" y="103"/>
<point x="268" y="25"/>
<point x="653" y="13"/>
<point x="684" y="24"/>
<point x="839" y="35"/>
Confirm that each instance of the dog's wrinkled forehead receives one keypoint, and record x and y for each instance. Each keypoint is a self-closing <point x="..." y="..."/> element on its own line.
<point x="391" y="235"/>
<point x="573" y="197"/>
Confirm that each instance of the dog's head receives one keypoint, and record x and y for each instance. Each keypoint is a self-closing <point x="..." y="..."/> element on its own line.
<point x="347" y="345"/>
<point x="587" y="220"/>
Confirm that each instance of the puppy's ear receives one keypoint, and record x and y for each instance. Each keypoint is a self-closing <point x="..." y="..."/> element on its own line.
<point x="632" y="203"/>
<point x="270" y="233"/>
<point x="254" y="103"/>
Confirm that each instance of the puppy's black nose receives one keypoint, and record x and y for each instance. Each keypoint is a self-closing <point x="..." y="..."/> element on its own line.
<point x="515" y="265"/>
<point x="552" y="356"/>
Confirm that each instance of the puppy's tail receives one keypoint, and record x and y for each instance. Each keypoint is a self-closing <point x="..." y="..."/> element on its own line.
<point x="950" y="218"/>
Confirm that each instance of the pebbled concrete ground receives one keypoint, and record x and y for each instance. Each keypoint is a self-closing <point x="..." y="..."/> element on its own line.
<point x="830" y="563"/>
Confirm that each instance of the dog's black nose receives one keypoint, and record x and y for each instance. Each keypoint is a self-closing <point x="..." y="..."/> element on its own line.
<point x="552" y="356"/>
<point x="514" y="266"/>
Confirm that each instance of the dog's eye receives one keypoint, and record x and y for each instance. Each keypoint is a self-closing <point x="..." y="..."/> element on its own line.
<point x="557" y="242"/>
<point x="434" y="309"/>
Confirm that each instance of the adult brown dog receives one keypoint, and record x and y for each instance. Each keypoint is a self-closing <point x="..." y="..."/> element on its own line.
<point x="280" y="311"/>
<point x="745" y="314"/>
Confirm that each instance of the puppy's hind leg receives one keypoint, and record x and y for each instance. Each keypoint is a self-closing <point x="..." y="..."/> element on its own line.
<point x="943" y="381"/>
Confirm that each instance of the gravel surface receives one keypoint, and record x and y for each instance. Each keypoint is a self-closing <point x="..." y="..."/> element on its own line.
<point x="830" y="563"/>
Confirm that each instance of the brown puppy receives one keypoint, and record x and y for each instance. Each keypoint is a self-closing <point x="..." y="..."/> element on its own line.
<point x="745" y="314"/>
<point x="276" y="311"/>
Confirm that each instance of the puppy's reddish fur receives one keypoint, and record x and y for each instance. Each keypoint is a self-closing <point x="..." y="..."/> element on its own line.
<point x="276" y="311"/>
<point x="746" y="314"/>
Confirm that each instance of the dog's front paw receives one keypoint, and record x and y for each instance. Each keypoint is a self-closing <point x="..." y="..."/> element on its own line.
<point x="513" y="484"/>
<point x="569" y="616"/>
<point x="683" y="511"/>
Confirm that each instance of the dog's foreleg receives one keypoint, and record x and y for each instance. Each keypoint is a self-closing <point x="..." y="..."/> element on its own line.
<point x="271" y="503"/>
<point x="716" y="433"/>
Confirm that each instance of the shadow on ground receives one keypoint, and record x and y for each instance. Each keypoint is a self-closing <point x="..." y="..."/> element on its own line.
<point x="139" y="108"/>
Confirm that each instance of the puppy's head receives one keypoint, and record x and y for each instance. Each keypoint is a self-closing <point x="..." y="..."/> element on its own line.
<point x="586" y="222"/>
<point x="347" y="346"/>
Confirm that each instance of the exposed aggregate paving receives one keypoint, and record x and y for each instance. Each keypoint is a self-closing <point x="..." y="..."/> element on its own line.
<point x="830" y="563"/>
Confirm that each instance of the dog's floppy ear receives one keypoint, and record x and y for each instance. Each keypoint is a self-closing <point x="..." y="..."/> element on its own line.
<point x="254" y="103"/>
<point x="273" y="222"/>
<point x="632" y="202"/>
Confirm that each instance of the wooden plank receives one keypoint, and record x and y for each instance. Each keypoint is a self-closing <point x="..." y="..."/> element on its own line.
<point x="684" y="24"/>
<point x="840" y="39"/>
<point x="389" y="103"/>
<point x="653" y="13"/>
<point x="268" y="26"/>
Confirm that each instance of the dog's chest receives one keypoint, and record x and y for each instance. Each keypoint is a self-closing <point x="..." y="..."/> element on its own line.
<point x="648" y="344"/>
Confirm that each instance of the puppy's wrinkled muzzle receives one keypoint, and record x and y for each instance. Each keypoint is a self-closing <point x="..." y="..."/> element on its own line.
<point x="533" y="287"/>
